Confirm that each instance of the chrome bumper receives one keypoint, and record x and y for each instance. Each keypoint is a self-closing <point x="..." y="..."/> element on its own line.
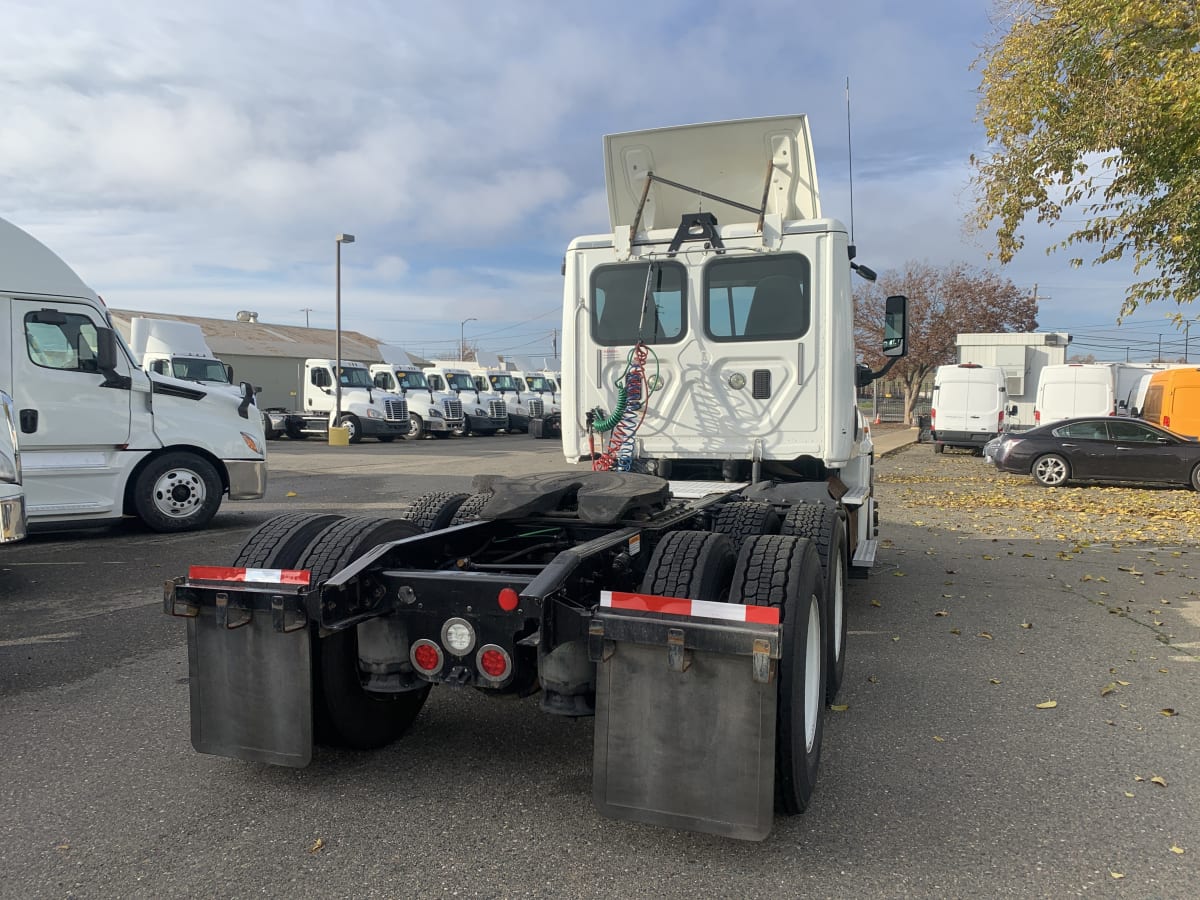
<point x="247" y="478"/>
<point x="12" y="519"/>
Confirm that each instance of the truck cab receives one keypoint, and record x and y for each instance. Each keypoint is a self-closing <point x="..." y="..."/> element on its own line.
<point x="517" y="402"/>
<point x="100" y="437"/>
<point x="365" y="410"/>
<point x="484" y="410"/>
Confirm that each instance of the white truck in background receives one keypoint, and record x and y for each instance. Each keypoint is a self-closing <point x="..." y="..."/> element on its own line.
<point x="484" y="411"/>
<point x="968" y="405"/>
<point x="541" y="386"/>
<point x="100" y="437"/>
<point x="439" y="413"/>
<point x="490" y="374"/>
<point x="1068" y="390"/>
<point x="366" y="410"/>
<point x="178" y="349"/>
<point x="686" y="586"/>
<point x="12" y="494"/>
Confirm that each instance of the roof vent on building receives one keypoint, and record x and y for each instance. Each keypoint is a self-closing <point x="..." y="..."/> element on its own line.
<point x="245" y="315"/>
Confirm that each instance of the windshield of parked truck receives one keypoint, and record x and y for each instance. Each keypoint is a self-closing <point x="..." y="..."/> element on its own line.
<point x="502" y="382"/>
<point x="412" y="381"/>
<point x="635" y="302"/>
<point x="539" y="384"/>
<point x="196" y="369"/>
<point x="356" y="378"/>
<point x="459" y="381"/>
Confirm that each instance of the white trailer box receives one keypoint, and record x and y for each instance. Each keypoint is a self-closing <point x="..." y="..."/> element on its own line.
<point x="967" y="409"/>
<point x="100" y="437"/>
<point x="1075" y="389"/>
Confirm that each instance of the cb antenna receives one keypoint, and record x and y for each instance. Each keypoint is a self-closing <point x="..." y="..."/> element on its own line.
<point x="850" y="158"/>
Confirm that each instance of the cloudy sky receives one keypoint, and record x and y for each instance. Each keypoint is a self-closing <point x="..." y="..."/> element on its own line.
<point x="201" y="160"/>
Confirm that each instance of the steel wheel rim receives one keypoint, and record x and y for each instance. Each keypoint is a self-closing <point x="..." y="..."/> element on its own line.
<point x="178" y="493"/>
<point x="812" y="675"/>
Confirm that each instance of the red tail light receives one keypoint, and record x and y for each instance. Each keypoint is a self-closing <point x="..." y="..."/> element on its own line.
<point x="932" y="414"/>
<point x="426" y="656"/>
<point x="494" y="663"/>
<point x="1037" y="417"/>
<point x="508" y="599"/>
<point x="1166" y="421"/>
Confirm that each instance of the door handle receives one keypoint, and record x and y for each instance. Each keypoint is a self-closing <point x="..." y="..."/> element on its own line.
<point x="29" y="420"/>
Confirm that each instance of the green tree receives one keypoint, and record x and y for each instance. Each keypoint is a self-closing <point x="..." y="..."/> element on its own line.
<point x="942" y="304"/>
<point x="1095" y="105"/>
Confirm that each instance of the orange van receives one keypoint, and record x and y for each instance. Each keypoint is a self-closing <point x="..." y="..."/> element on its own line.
<point x="1173" y="400"/>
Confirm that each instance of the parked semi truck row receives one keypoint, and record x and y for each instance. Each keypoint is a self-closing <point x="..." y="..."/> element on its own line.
<point x="686" y="586"/>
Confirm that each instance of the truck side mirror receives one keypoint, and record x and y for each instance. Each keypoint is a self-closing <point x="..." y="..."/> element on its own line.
<point x="895" y="326"/>
<point x="229" y="373"/>
<point x="1012" y="410"/>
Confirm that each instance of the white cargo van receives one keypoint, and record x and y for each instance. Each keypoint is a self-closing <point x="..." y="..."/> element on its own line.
<point x="100" y="437"/>
<point x="968" y="404"/>
<point x="1074" y="389"/>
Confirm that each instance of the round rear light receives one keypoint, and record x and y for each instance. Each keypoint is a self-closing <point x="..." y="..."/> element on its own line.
<point x="494" y="663"/>
<point x="426" y="656"/>
<point x="508" y="599"/>
<point x="458" y="636"/>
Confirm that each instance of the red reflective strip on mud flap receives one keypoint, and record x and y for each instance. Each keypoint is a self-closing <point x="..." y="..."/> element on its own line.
<point x="676" y="606"/>
<point x="255" y="576"/>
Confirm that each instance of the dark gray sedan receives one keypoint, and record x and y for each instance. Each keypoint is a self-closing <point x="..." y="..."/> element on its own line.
<point x="1101" y="449"/>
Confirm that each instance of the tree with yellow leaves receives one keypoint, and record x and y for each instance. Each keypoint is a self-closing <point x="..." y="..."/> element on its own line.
<point x="1095" y="105"/>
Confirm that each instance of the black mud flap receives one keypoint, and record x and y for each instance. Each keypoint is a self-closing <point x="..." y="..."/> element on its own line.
<point x="685" y="722"/>
<point x="251" y="690"/>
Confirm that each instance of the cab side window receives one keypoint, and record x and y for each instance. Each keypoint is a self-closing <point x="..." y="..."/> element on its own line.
<point x="435" y="382"/>
<point x="65" y="341"/>
<point x="321" y="378"/>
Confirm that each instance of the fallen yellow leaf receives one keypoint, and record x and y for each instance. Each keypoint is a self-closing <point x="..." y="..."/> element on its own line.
<point x="956" y="631"/>
<point x="1159" y="780"/>
<point x="1026" y="624"/>
<point x="1165" y="671"/>
<point x="1117" y="875"/>
<point x="940" y="740"/>
<point x="1123" y="683"/>
<point x="291" y="494"/>
<point x="1107" y="689"/>
<point x="1168" y="712"/>
<point x="895" y="637"/>
<point x="317" y="846"/>
<point x="984" y="634"/>
<point x="940" y="613"/>
<point x="840" y="707"/>
<point x="1138" y="778"/>
<point x="876" y="603"/>
<point x="1047" y="704"/>
<point x="898" y="574"/>
<point x="1129" y="794"/>
<point x="1178" y="851"/>
<point x="996" y="681"/>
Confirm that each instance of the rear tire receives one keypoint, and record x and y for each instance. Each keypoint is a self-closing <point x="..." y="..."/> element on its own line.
<point x="744" y="520"/>
<point x="692" y="564"/>
<point x="343" y="713"/>
<point x="470" y="508"/>
<point x="826" y="528"/>
<point x="1051" y="470"/>
<point x="269" y="431"/>
<point x="435" y="510"/>
<point x="277" y="543"/>
<point x="1196" y="478"/>
<point x="785" y="572"/>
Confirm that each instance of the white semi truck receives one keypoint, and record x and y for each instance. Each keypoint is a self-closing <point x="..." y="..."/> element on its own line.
<point x="366" y="410"/>
<point x="541" y="386"/>
<point x="490" y="374"/>
<point x="177" y="349"/>
<point x="685" y="586"/>
<point x="12" y="494"/>
<point x="439" y="412"/>
<point x="100" y="437"/>
<point x="484" y="411"/>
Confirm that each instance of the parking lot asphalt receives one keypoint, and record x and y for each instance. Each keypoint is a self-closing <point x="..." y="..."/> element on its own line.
<point x="1019" y="718"/>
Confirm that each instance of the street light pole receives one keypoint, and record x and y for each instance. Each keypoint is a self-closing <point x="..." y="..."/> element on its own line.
<point x="462" y="337"/>
<point x="337" y="330"/>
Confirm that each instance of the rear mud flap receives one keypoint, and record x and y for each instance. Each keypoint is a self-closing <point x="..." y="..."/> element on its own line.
<point x="685" y="723"/>
<point x="251" y="690"/>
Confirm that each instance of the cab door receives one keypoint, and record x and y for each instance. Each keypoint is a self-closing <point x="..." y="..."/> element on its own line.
<point x="73" y="421"/>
